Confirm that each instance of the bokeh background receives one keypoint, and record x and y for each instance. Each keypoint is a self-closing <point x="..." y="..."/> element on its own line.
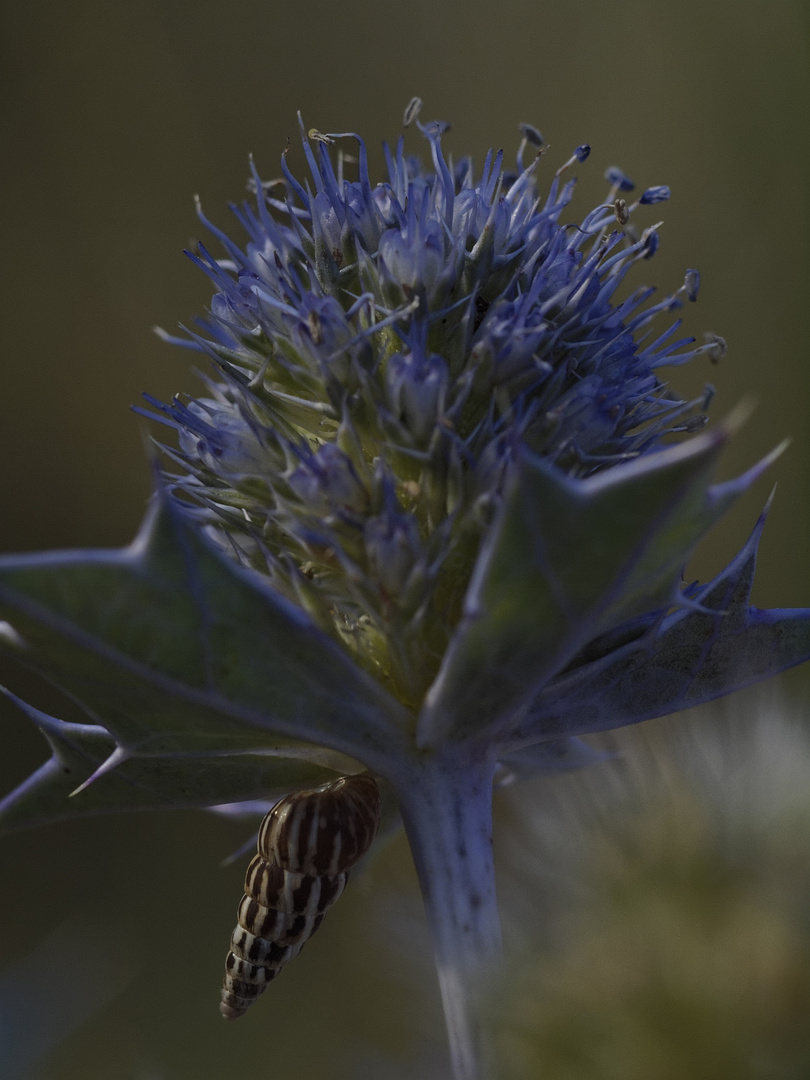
<point x="113" y="114"/>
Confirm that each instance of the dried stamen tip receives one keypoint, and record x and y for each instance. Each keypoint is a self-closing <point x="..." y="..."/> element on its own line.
<point x="715" y="346"/>
<point x="621" y="211"/>
<point x="318" y="136"/>
<point x="412" y="110"/>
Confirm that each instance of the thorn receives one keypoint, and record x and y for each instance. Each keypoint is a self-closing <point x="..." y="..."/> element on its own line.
<point x="741" y="483"/>
<point x="118" y="756"/>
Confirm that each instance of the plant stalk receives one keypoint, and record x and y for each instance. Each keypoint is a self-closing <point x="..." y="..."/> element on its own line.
<point x="446" y="805"/>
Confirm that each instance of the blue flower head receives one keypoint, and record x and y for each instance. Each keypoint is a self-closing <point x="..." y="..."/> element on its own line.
<point x="384" y="356"/>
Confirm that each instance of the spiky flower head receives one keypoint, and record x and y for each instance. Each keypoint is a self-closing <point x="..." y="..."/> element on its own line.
<point x="386" y="353"/>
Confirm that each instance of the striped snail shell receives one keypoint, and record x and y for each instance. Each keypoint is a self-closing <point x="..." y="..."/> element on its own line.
<point x="307" y="845"/>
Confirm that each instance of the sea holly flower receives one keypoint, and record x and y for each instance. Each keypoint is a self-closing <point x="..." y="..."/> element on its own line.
<point x="428" y="517"/>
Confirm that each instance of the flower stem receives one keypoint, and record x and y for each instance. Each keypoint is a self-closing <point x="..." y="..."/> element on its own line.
<point x="446" y="804"/>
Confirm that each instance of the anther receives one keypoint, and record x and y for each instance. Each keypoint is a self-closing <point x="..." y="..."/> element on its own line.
<point x="580" y="154"/>
<point x="715" y="346"/>
<point x="412" y="110"/>
<point x="318" y="136"/>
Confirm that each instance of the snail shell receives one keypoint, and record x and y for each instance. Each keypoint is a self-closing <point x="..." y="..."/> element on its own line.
<point x="307" y="845"/>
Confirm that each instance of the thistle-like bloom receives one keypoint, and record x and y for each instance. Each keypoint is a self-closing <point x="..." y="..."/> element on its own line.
<point x="429" y="518"/>
<point x="385" y="357"/>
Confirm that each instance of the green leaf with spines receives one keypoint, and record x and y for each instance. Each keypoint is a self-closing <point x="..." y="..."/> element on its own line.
<point x="567" y="560"/>
<point x="172" y="647"/>
<point x="714" y="644"/>
<point x="59" y="788"/>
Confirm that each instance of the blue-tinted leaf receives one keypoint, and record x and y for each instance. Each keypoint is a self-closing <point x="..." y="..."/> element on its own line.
<point x="692" y="655"/>
<point x="171" y="646"/>
<point x="567" y="560"/>
<point x="144" y="783"/>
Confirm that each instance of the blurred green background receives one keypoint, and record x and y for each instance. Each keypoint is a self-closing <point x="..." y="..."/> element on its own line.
<point x="113" y="115"/>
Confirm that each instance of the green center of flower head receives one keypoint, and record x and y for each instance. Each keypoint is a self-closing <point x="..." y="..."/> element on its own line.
<point x="384" y="354"/>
